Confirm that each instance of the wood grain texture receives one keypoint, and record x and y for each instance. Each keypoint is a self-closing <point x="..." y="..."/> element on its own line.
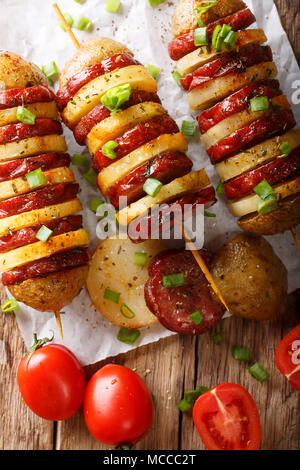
<point x="170" y="367"/>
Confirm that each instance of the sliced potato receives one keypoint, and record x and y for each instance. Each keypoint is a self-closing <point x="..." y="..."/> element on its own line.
<point x="16" y="72"/>
<point x="257" y="155"/>
<point x="33" y="146"/>
<point x="190" y="62"/>
<point x="112" y="267"/>
<point x="249" y="204"/>
<point x="183" y="185"/>
<point x="40" y="110"/>
<point x="20" y="185"/>
<point x="231" y="124"/>
<point x="39" y="250"/>
<point x="214" y="90"/>
<point x="89" y="96"/>
<point x="39" y="216"/>
<point x="114" y="126"/>
<point x="118" y="170"/>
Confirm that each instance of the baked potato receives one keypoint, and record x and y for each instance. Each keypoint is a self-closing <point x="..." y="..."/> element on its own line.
<point x="15" y="72"/>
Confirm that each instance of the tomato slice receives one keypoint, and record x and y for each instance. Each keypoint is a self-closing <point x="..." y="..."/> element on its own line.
<point x="227" y="418"/>
<point x="287" y="357"/>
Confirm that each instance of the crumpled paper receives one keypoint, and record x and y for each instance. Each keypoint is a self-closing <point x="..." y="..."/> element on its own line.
<point x="29" y="28"/>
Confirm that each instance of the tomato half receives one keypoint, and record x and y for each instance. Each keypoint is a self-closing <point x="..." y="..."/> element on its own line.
<point x="51" y="382"/>
<point x="118" y="407"/>
<point x="287" y="357"/>
<point x="227" y="418"/>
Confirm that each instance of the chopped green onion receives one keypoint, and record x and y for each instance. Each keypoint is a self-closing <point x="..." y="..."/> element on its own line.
<point x="9" y="306"/>
<point x="90" y="176"/>
<point x="217" y="338"/>
<point x="68" y="19"/>
<point x="260" y="103"/>
<point x="173" y="280"/>
<point x="44" y="234"/>
<point x="128" y="336"/>
<point x="116" y="96"/>
<point x="78" y="1"/>
<point x="50" y="71"/>
<point x="177" y="76"/>
<point x="108" y="149"/>
<point x="258" y="372"/>
<point x="154" y="71"/>
<point x="201" y="37"/>
<point x="155" y="3"/>
<point x="188" y="128"/>
<point x="82" y="23"/>
<point x="225" y="30"/>
<point x="25" y="116"/>
<point x="79" y="160"/>
<point x="220" y="188"/>
<point x="152" y="186"/>
<point x="267" y="205"/>
<point x="112" y="296"/>
<point x="130" y="313"/>
<point x="263" y="189"/>
<point x="209" y="214"/>
<point x="242" y="354"/>
<point x="35" y="178"/>
<point x="285" y="148"/>
<point x="140" y="259"/>
<point x="190" y="397"/>
<point x="113" y="6"/>
<point x="230" y="40"/>
<point x="203" y="7"/>
<point x="95" y="203"/>
<point x="196" y="317"/>
<point x="215" y="36"/>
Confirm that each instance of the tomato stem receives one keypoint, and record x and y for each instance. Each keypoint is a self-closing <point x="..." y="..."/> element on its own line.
<point x="38" y="343"/>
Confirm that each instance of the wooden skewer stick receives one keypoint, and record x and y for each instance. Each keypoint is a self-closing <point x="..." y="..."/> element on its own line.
<point x="59" y="325"/>
<point x="192" y="247"/>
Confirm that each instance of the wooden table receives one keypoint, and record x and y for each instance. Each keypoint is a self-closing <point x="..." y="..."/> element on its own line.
<point x="170" y="367"/>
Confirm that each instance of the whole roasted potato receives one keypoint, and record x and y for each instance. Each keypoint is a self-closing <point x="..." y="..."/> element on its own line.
<point x="251" y="277"/>
<point x="15" y="72"/>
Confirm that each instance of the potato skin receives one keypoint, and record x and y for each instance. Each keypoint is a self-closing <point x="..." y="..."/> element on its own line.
<point x="51" y="293"/>
<point x="15" y="72"/>
<point x="251" y="277"/>
<point x="92" y="52"/>
<point x="184" y="18"/>
<point x="284" y="217"/>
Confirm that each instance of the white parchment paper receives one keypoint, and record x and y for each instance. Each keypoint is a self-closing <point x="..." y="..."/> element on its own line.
<point x="29" y="28"/>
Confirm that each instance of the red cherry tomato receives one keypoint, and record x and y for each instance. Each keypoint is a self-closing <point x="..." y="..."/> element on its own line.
<point x="51" y="381"/>
<point x="118" y="406"/>
<point x="227" y="418"/>
<point x="287" y="357"/>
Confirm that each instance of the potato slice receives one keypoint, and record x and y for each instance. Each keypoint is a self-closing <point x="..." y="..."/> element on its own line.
<point x="39" y="250"/>
<point x="20" y="185"/>
<point x="190" y="62"/>
<point x="231" y="124"/>
<point x="186" y="184"/>
<point x="89" y="96"/>
<point x="112" y="267"/>
<point x="118" y="170"/>
<point x="39" y="216"/>
<point x="214" y="90"/>
<point x="257" y="155"/>
<point x="249" y="204"/>
<point x="33" y="146"/>
<point x="40" y="110"/>
<point x="114" y="126"/>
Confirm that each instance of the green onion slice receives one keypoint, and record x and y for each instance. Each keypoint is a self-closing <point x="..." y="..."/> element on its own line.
<point x="188" y="128"/>
<point x="190" y="398"/>
<point x="90" y="176"/>
<point x="209" y="214"/>
<point x="155" y="3"/>
<point x="173" y="280"/>
<point x="242" y="354"/>
<point x="140" y="259"/>
<point x="108" y="149"/>
<point x="113" y="6"/>
<point x="215" y="36"/>
<point x="230" y="40"/>
<point x="112" y="296"/>
<point x="44" y="234"/>
<point x="201" y="37"/>
<point x="177" y="76"/>
<point x="127" y="312"/>
<point x="50" y="71"/>
<point x="203" y="7"/>
<point x="260" y="103"/>
<point x="79" y="160"/>
<point x="116" y="96"/>
<point x="220" y="188"/>
<point x="68" y="19"/>
<point x="263" y="189"/>
<point x="9" y="306"/>
<point x="285" y="148"/>
<point x="82" y="23"/>
<point x="217" y="338"/>
<point x="25" y="116"/>
<point x="225" y="30"/>
<point x="35" y="178"/>
<point x="152" y="186"/>
<point x="128" y="336"/>
<point x="267" y="205"/>
<point x="258" y="372"/>
<point x="196" y="317"/>
<point x="154" y="71"/>
<point x="95" y="203"/>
